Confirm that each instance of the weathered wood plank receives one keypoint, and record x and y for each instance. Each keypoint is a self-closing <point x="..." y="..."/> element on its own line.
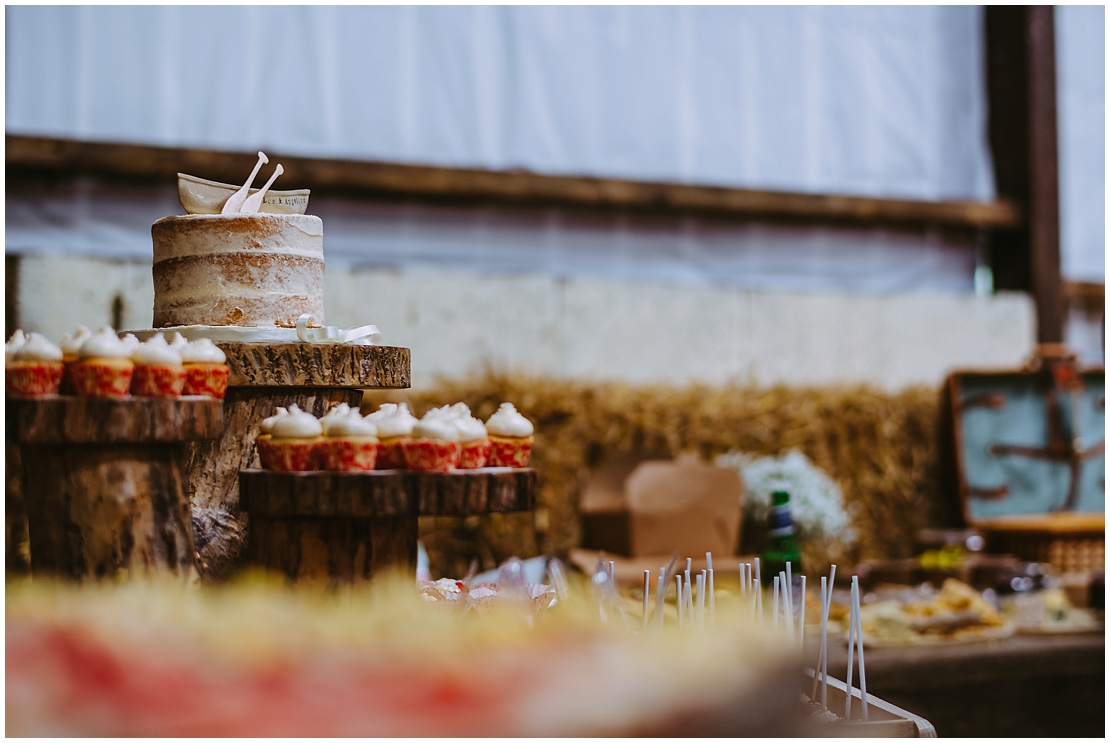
<point x="317" y="365"/>
<point x="28" y="155"/>
<point x="384" y="493"/>
<point x="68" y="419"/>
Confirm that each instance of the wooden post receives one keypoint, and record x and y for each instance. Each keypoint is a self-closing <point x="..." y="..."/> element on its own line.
<point x="103" y="485"/>
<point x="265" y="376"/>
<point x="1021" y="90"/>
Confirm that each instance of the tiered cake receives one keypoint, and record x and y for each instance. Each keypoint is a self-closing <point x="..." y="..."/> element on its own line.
<point x="260" y="270"/>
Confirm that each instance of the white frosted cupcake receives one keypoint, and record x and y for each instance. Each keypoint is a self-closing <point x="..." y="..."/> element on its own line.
<point x="394" y="424"/>
<point x="104" y="367"/>
<point x="33" y="366"/>
<point x="510" y="436"/>
<point x="159" y="371"/>
<point x="473" y="438"/>
<point x="434" y="445"/>
<point x="291" y="441"/>
<point x="71" y="346"/>
<point x="206" y="372"/>
<point x="350" y="441"/>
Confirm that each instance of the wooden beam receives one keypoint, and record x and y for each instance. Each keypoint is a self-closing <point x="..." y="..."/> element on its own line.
<point x="29" y="155"/>
<point x="1044" y="199"/>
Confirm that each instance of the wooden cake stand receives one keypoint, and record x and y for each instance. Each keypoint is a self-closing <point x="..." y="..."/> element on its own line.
<point x="102" y="480"/>
<point x="265" y="376"/>
<point x="345" y="527"/>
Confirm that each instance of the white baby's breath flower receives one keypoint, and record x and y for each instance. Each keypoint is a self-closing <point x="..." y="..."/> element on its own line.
<point x="815" y="499"/>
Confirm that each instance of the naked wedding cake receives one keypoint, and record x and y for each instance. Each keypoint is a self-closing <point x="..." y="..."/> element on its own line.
<point x="246" y="258"/>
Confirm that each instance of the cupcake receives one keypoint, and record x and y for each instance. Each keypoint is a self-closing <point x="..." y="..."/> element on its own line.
<point x="158" y="369"/>
<point x="510" y="437"/>
<point x="14" y="344"/>
<point x="350" y="441"/>
<point x="472" y="438"/>
<point x="35" y="368"/>
<point x="205" y="371"/>
<point x="394" y="424"/>
<point x="70" y="346"/>
<point x="104" y="367"/>
<point x="264" y="435"/>
<point x="290" y="445"/>
<point x="434" y="446"/>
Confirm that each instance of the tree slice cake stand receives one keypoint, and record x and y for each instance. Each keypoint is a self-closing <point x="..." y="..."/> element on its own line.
<point x="265" y="376"/>
<point x="103" y="481"/>
<point x="344" y="527"/>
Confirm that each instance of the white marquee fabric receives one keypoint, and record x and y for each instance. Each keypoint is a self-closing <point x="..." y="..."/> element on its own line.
<point x="866" y="100"/>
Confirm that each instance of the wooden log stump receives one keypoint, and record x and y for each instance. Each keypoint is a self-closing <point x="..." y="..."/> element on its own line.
<point x="103" y="484"/>
<point x="344" y="527"/>
<point x="265" y="376"/>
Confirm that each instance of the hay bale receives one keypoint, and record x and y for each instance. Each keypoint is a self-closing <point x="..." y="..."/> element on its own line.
<point x="881" y="448"/>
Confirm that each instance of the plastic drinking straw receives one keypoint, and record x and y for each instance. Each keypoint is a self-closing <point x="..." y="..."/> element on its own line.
<point x="660" y="589"/>
<point x="679" y="602"/>
<point x="712" y="598"/>
<point x="775" y="605"/>
<point x="647" y="596"/>
<point x="821" y="644"/>
<point x="758" y="574"/>
<point x="851" y="655"/>
<point x="801" y="620"/>
<point x="788" y="594"/>
<point x="859" y="637"/>
<point x="759" y="600"/>
<point x="825" y="641"/>
<point x="700" y="613"/>
<point x="786" y="613"/>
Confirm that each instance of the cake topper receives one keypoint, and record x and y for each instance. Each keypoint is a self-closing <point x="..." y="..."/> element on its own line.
<point x="235" y="203"/>
<point x="250" y="206"/>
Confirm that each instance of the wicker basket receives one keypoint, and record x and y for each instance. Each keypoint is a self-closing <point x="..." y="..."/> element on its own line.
<point x="1070" y="543"/>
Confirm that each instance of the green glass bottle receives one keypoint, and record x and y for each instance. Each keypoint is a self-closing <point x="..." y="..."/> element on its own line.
<point x="782" y="542"/>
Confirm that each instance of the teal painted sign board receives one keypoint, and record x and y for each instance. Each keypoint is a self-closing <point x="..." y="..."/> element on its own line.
<point x="1028" y="447"/>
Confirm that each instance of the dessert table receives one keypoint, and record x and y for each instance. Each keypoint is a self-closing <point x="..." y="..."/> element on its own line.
<point x="265" y="376"/>
<point x="1024" y="686"/>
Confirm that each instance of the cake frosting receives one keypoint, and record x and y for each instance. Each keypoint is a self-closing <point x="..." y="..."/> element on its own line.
<point x="38" y="348"/>
<point x="437" y="423"/>
<point x="71" y="344"/>
<point x="349" y="423"/>
<point x="156" y="351"/>
<point x="202" y="351"/>
<point x="14" y="344"/>
<point x="267" y="424"/>
<point x="469" y="427"/>
<point x="261" y="270"/>
<point x="104" y="344"/>
<point x="508" y="422"/>
<point x="296" y="424"/>
<point x="393" y="420"/>
<point x="335" y="414"/>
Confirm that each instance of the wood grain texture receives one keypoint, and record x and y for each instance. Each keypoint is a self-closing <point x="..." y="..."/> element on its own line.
<point x="317" y="365"/>
<point x="386" y="493"/>
<point x="376" y="180"/>
<point x="103" y="511"/>
<point x="16" y="547"/>
<point x="88" y="420"/>
<point x="333" y="551"/>
<point x="212" y="467"/>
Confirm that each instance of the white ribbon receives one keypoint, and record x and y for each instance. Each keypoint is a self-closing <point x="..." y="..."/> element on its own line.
<point x="363" y="335"/>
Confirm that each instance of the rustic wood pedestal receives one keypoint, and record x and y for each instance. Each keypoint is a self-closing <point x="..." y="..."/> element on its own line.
<point x="102" y="481"/>
<point x="345" y="527"/>
<point x="265" y="376"/>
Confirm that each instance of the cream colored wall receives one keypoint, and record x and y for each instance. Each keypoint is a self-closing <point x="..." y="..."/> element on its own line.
<point x="455" y="322"/>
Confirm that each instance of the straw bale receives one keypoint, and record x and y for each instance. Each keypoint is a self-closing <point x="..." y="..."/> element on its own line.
<point x="881" y="448"/>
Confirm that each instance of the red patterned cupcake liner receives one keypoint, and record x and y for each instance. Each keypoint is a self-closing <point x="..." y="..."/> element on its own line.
<point x="288" y="455"/>
<point x="207" y="379"/>
<point x="474" y="454"/>
<point x="33" y="378"/>
<point x="68" y="386"/>
<point x="158" y="380"/>
<point x="347" y="455"/>
<point x="506" y="452"/>
<point x="100" y="379"/>
<point x="432" y="455"/>
<point x="391" y="453"/>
